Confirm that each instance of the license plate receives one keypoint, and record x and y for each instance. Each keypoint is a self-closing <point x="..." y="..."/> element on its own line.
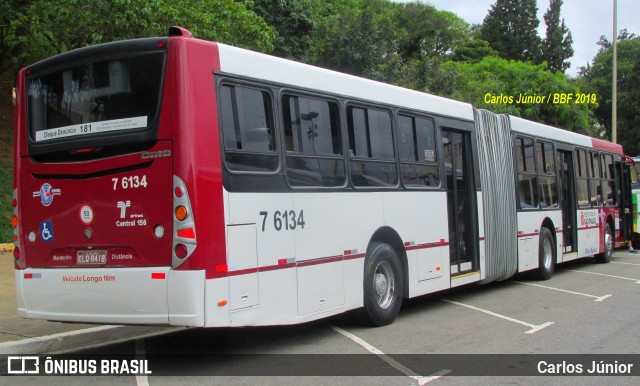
<point x="91" y="257"/>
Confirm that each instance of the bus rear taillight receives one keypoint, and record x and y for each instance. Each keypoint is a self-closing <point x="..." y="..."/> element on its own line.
<point x="184" y="230"/>
<point x="16" y="232"/>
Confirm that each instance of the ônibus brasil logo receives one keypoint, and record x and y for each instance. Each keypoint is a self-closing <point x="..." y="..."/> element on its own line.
<point x="46" y="194"/>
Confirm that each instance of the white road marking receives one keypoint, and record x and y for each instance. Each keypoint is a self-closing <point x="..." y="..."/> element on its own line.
<point x="392" y="362"/>
<point x="141" y="380"/>
<point x="597" y="298"/>
<point x="619" y="262"/>
<point x="602" y="274"/>
<point x="533" y="328"/>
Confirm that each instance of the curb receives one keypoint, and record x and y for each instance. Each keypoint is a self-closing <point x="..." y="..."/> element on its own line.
<point x="6" y="247"/>
<point x="74" y="340"/>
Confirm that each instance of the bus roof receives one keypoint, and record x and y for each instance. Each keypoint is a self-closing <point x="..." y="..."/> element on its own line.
<point x="255" y="65"/>
<point x="545" y="131"/>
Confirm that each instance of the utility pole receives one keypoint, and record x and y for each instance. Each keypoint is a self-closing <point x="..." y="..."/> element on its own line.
<point x="614" y="92"/>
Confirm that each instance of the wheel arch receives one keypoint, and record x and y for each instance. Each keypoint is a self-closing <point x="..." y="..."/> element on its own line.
<point x="390" y="236"/>
<point x="612" y="224"/>
<point x="548" y="223"/>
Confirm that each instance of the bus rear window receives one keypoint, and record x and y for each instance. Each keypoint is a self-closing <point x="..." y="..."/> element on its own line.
<point x="108" y="96"/>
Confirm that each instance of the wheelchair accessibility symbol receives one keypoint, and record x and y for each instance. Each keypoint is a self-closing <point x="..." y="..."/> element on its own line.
<point x="46" y="231"/>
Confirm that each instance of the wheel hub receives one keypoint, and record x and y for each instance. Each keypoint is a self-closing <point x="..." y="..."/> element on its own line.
<point x="381" y="284"/>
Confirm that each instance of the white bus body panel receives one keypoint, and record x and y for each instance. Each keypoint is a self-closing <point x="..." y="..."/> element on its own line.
<point x="112" y="295"/>
<point x="315" y="271"/>
<point x="529" y="225"/>
<point x="242" y="62"/>
<point x="547" y="132"/>
<point x="589" y="232"/>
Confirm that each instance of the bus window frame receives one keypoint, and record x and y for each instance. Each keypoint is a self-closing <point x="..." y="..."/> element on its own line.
<point x="437" y="137"/>
<point x="282" y="92"/>
<point x="101" y="53"/>
<point x="220" y="82"/>
<point x="355" y="158"/>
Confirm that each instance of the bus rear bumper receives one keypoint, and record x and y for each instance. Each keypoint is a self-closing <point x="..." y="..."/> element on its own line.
<point x="155" y="295"/>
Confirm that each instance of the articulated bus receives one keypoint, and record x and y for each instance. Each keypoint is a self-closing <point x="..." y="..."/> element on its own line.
<point x="635" y="194"/>
<point x="177" y="181"/>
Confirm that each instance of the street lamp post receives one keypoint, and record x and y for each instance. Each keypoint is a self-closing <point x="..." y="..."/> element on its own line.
<point x="614" y="91"/>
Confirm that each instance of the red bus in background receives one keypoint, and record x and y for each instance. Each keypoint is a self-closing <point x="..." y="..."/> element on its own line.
<point x="176" y="181"/>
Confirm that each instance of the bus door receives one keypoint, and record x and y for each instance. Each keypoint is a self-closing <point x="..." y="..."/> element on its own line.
<point x="461" y="202"/>
<point x="623" y="173"/>
<point x="569" y="218"/>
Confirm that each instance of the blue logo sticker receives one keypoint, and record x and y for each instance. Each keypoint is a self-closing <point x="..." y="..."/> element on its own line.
<point x="46" y="231"/>
<point x="46" y="194"/>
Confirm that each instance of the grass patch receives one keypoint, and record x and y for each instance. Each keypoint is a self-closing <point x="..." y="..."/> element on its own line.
<point x="6" y="159"/>
<point x="6" y="211"/>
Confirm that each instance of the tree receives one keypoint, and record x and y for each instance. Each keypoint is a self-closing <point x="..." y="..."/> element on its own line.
<point x="293" y="22"/>
<point x="41" y="28"/>
<point x="473" y="51"/>
<point x="598" y="82"/>
<point x="497" y="84"/>
<point x="556" y="47"/>
<point x="510" y="27"/>
<point x="356" y="36"/>
<point x="425" y="31"/>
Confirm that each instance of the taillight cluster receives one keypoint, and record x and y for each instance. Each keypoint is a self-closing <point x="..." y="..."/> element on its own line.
<point x="14" y="225"/>
<point x="184" y="237"/>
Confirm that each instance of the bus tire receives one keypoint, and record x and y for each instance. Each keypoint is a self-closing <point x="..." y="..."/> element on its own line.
<point x="546" y="255"/>
<point x="605" y="256"/>
<point x="383" y="285"/>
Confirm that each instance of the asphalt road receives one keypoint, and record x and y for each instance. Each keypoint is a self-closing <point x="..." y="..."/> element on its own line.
<point x="587" y="312"/>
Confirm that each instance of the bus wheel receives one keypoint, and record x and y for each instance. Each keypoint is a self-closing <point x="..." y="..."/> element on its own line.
<point x="546" y="255"/>
<point x="383" y="285"/>
<point x="605" y="256"/>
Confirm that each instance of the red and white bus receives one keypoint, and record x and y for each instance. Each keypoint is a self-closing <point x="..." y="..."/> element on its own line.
<point x="177" y="181"/>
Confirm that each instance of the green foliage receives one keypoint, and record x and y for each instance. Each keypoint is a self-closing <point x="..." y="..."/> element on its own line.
<point x="510" y="27"/>
<point x="410" y="44"/>
<point x="356" y="36"/>
<point x="6" y="178"/>
<point x="293" y="21"/>
<point x="556" y="47"/>
<point x="42" y="28"/>
<point x="477" y="83"/>
<point x="473" y="51"/>
<point x="599" y="80"/>
<point x="426" y="31"/>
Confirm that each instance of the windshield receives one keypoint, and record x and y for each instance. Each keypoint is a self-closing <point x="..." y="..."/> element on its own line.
<point x="99" y="97"/>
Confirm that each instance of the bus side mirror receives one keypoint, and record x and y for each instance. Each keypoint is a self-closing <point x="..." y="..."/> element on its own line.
<point x="634" y="174"/>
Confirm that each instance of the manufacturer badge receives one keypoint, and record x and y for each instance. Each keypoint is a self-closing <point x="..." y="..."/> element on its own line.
<point x="47" y="193"/>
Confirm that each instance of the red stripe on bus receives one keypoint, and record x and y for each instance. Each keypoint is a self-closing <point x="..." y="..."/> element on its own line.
<point x="355" y="256"/>
<point x="306" y="263"/>
<point x="591" y="227"/>
<point x="322" y="260"/>
<point x="242" y="272"/>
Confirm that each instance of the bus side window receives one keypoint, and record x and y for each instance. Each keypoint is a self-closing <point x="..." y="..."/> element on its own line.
<point x="582" y="180"/>
<point x="371" y="147"/>
<point x="547" y="175"/>
<point x="527" y="177"/>
<point x="608" y="181"/>
<point x="417" y="148"/>
<point x="247" y="129"/>
<point x="313" y="142"/>
<point x="595" y="172"/>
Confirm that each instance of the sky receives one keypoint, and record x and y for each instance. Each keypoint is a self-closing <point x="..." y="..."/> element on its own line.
<point x="586" y="19"/>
